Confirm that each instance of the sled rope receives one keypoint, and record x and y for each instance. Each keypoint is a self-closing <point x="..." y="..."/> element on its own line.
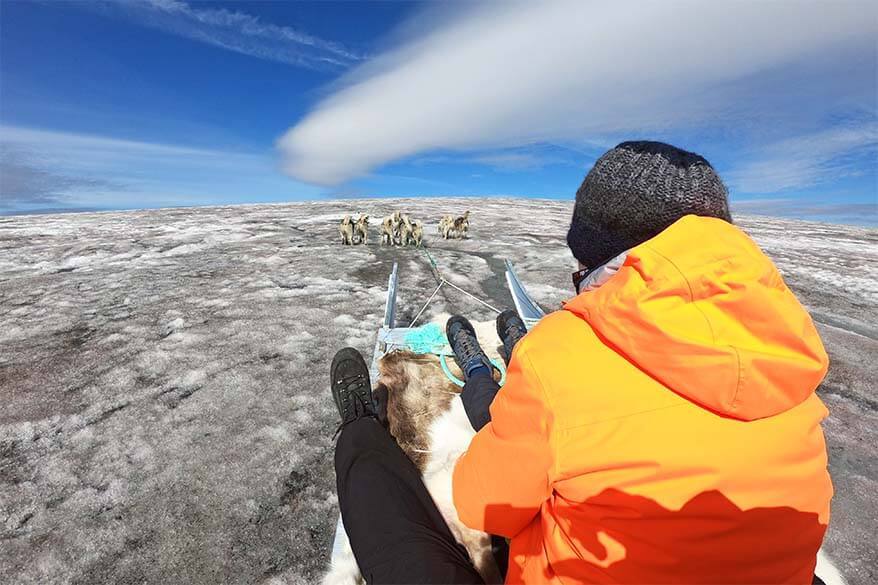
<point x="442" y="282"/>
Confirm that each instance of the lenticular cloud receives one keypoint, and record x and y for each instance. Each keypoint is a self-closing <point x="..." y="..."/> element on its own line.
<point x="504" y="74"/>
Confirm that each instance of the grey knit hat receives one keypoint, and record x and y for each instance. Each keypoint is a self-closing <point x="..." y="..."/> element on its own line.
<point x="636" y="190"/>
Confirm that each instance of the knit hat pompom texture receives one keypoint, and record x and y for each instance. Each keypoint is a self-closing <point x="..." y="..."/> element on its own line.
<point x="636" y="190"/>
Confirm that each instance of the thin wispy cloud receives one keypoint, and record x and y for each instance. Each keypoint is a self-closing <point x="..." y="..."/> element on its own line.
<point x="24" y="181"/>
<point x="515" y="161"/>
<point x="505" y="74"/>
<point x="61" y="168"/>
<point x="237" y="31"/>
<point x="864" y="214"/>
<point x="511" y="159"/>
<point x="102" y="147"/>
<point x="807" y="160"/>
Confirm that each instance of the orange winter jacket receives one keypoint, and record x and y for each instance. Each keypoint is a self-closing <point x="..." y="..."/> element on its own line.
<point x="662" y="427"/>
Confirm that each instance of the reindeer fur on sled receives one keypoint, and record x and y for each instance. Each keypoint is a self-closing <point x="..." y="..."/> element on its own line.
<point x="425" y="415"/>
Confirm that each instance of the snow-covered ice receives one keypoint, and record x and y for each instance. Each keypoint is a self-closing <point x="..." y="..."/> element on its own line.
<point x="164" y="374"/>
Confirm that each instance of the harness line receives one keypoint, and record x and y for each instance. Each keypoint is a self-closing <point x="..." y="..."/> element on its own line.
<point x="443" y="281"/>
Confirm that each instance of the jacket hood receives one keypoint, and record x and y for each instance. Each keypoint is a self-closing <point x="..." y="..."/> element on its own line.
<point x="702" y="309"/>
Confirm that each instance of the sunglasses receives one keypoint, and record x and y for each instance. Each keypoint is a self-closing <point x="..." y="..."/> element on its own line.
<point x="579" y="276"/>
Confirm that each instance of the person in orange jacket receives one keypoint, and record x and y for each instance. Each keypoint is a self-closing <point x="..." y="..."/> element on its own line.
<point x="662" y="427"/>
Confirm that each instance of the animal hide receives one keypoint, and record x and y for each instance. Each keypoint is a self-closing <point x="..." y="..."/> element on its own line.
<point x="426" y="417"/>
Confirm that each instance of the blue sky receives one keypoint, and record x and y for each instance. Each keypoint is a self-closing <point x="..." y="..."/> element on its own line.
<point x="161" y="103"/>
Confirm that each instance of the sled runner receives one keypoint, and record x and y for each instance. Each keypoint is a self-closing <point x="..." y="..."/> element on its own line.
<point x="424" y="340"/>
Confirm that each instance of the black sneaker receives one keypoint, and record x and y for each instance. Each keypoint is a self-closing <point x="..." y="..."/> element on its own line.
<point x="351" y="389"/>
<point x="510" y="330"/>
<point x="467" y="352"/>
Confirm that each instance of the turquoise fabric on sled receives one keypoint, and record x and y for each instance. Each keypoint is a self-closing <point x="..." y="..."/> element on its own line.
<point x="427" y="338"/>
<point x="430" y="338"/>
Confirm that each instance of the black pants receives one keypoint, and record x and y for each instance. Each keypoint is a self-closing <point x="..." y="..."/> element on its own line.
<point x="477" y="395"/>
<point x="395" y="529"/>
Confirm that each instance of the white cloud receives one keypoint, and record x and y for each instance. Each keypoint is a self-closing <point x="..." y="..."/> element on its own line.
<point x="239" y="32"/>
<point x="502" y="74"/>
<point x="804" y="160"/>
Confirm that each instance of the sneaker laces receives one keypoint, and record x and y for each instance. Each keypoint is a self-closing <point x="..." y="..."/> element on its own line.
<point x="514" y="329"/>
<point x="348" y="385"/>
<point x="467" y="344"/>
<point x="467" y="350"/>
<point x="515" y="333"/>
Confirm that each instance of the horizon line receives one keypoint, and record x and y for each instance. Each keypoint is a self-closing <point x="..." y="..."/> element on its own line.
<point x="864" y="221"/>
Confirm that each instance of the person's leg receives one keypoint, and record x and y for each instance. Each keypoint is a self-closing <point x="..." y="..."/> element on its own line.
<point x="396" y="531"/>
<point x="479" y="386"/>
<point x="477" y="395"/>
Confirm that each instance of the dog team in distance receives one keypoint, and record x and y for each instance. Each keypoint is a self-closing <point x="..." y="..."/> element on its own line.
<point x="399" y="229"/>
